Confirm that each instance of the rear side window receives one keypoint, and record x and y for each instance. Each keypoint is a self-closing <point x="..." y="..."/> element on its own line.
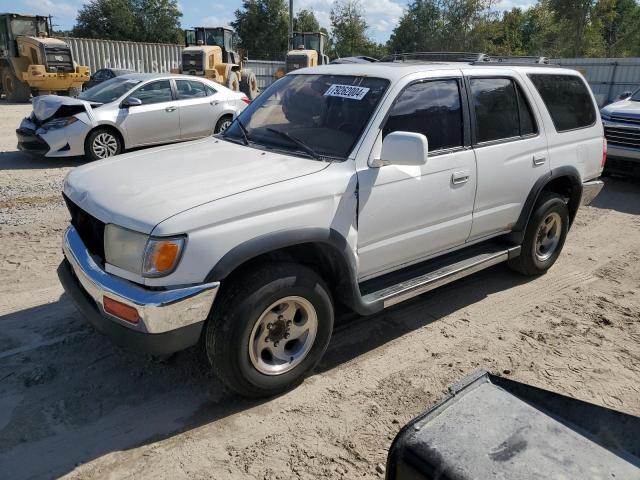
<point x="501" y="110"/>
<point x="431" y="108"/>
<point x="567" y="100"/>
<point x="188" y="89"/>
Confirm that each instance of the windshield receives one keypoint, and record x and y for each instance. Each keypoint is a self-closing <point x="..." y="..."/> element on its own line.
<point x="636" y="96"/>
<point x="310" y="42"/>
<point x="322" y="113"/>
<point x="109" y="91"/>
<point x="28" y="26"/>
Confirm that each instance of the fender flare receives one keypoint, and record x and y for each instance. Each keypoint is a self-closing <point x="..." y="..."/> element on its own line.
<point x="567" y="171"/>
<point x="342" y="254"/>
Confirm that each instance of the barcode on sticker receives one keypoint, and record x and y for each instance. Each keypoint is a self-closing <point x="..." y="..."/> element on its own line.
<point x="346" y="91"/>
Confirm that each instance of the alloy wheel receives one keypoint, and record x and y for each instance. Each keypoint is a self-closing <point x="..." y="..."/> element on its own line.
<point x="105" y="145"/>
<point x="548" y="236"/>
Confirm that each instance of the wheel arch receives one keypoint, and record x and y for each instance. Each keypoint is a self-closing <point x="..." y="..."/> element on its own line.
<point x="565" y="181"/>
<point x="326" y="251"/>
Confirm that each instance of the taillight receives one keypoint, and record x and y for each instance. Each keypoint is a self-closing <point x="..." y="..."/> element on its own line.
<point x="604" y="152"/>
<point x="246" y="100"/>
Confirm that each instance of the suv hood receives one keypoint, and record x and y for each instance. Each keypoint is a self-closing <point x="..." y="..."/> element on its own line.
<point x="139" y="190"/>
<point x="628" y="108"/>
<point x="46" y="107"/>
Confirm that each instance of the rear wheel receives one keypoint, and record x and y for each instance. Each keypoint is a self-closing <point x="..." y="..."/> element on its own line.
<point x="268" y="329"/>
<point x="544" y="237"/>
<point x="232" y="82"/>
<point x="102" y="143"/>
<point x="14" y="89"/>
<point x="249" y="84"/>
<point x="223" y="124"/>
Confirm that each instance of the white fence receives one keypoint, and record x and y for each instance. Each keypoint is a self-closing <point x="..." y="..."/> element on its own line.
<point x="148" y="57"/>
<point x="141" y="57"/>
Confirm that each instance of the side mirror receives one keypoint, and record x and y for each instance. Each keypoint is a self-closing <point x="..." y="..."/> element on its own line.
<point x="624" y="95"/>
<point x="403" y="148"/>
<point x="131" y="102"/>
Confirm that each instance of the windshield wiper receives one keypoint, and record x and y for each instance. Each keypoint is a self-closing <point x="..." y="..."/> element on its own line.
<point x="243" y="131"/>
<point x="297" y="141"/>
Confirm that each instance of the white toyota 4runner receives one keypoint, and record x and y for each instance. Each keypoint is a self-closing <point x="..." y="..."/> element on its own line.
<point x="355" y="186"/>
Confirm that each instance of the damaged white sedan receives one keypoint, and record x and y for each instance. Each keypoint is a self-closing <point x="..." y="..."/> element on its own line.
<point x="130" y="111"/>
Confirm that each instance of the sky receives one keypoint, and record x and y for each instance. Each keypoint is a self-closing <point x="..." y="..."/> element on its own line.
<point x="381" y="15"/>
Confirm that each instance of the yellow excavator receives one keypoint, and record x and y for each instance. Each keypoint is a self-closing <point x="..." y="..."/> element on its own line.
<point x="31" y="62"/>
<point x="209" y="53"/>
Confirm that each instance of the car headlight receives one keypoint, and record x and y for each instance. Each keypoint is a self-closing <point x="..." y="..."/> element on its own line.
<point x="59" y="123"/>
<point x="141" y="254"/>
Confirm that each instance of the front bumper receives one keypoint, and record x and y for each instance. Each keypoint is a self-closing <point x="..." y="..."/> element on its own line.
<point x="60" y="142"/>
<point x="170" y="320"/>
<point x="590" y="190"/>
<point x="29" y="141"/>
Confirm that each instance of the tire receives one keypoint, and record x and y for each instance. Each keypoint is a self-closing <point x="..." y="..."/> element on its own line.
<point x="223" y="124"/>
<point x="544" y="237"/>
<point x="245" y="310"/>
<point x="104" y="140"/>
<point x="249" y="84"/>
<point x="232" y="82"/>
<point x="14" y="89"/>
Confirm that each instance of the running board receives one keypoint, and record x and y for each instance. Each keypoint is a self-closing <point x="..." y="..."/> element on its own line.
<point x="441" y="276"/>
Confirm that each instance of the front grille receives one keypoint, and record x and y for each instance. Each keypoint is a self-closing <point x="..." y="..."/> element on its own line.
<point x="58" y="59"/>
<point x="626" y="137"/>
<point x="625" y="119"/>
<point x="90" y="229"/>
<point x="193" y="61"/>
<point x="295" y="62"/>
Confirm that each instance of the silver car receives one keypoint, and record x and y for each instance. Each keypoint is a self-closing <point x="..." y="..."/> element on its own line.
<point x="129" y="111"/>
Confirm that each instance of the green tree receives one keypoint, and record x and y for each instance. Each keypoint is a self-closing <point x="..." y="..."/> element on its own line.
<point x="263" y="28"/>
<point x="619" y="24"/>
<point x="419" y="29"/>
<point x="306" y="21"/>
<point x="349" y="30"/>
<point x="136" y="20"/>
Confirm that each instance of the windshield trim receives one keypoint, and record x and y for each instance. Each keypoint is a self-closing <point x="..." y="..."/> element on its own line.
<point x="358" y="139"/>
<point x="635" y="96"/>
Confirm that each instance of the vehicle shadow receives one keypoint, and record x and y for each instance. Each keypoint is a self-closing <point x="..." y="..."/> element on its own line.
<point x="620" y="194"/>
<point x="17" y="160"/>
<point x="78" y="398"/>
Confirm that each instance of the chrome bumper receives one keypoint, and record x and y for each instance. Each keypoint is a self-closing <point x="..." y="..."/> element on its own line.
<point x="590" y="190"/>
<point x="159" y="310"/>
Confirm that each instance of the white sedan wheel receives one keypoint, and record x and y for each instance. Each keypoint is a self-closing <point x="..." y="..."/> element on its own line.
<point x="105" y="145"/>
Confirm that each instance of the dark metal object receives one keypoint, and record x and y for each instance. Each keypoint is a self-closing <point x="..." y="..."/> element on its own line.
<point x="493" y="427"/>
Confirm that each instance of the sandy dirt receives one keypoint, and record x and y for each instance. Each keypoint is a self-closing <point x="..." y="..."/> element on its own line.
<point x="72" y="404"/>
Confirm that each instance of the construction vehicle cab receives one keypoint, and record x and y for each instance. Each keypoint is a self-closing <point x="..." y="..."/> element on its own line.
<point x="210" y="52"/>
<point x="306" y="49"/>
<point x="32" y="62"/>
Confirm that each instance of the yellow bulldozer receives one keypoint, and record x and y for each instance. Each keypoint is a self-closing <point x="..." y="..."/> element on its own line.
<point x="209" y="52"/>
<point x="306" y="49"/>
<point x="31" y="62"/>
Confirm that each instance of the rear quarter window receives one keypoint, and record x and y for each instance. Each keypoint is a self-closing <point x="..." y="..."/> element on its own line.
<point x="567" y="99"/>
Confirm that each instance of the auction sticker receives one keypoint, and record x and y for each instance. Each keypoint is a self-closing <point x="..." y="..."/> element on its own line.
<point x="346" y="91"/>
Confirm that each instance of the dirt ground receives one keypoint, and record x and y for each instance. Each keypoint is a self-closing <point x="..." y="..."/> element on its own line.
<point x="73" y="405"/>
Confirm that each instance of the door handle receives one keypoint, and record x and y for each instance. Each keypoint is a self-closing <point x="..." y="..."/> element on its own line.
<point x="170" y="109"/>
<point x="214" y="102"/>
<point x="539" y="160"/>
<point x="458" y="178"/>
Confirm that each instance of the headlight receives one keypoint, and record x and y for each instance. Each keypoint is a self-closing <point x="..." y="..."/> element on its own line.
<point x="59" y="123"/>
<point x="124" y="248"/>
<point x="141" y="254"/>
<point x="162" y="256"/>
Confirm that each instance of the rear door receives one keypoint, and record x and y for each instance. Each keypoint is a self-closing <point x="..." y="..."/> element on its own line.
<point x="157" y="120"/>
<point x="510" y="149"/>
<point x="200" y="107"/>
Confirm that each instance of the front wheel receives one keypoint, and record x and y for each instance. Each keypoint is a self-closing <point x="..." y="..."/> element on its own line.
<point x="102" y="143"/>
<point x="269" y="329"/>
<point x="544" y="237"/>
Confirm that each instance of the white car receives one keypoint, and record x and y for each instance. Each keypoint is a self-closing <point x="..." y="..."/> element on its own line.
<point x="129" y="111"/>
<point x="359" y="185"/>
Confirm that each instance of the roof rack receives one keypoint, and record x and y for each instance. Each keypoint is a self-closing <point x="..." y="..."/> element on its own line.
<point x="514" y="59"/>
<point x="465" y="57"/>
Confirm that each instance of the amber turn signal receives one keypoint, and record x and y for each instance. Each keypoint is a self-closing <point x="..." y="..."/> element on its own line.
<point x="162" y="255"/>
<point x="120" y="310"/>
